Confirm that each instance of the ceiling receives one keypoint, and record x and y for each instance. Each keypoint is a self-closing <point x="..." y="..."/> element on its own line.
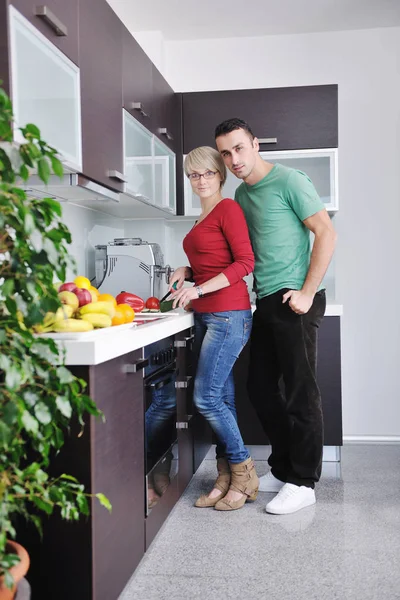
<point x="189" y="19"/>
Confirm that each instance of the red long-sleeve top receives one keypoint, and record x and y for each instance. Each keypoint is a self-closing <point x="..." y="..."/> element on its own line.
<point x="220" y="243"/>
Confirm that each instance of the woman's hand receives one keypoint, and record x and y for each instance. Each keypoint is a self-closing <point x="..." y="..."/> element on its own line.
<point x="178" y="277"/>
<point x="184" y="296"/>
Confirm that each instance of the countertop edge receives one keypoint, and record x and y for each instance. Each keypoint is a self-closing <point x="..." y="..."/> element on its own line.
<point x="96" y="351"/>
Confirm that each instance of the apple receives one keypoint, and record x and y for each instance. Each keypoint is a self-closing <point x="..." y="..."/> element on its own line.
<point x="69" y="298"/>
<point x="84" y="296"/>
<point x="94" y="295"/>
<point x="69" y="286"/>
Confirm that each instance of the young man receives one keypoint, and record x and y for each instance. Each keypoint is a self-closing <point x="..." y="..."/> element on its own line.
<point x="281" y="207"/>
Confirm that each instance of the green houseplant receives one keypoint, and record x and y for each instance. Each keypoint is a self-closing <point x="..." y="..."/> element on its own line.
<point x="38" y="395"/>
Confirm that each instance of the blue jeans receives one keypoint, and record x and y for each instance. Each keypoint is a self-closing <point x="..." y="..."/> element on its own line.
<point x="219" y="339"/>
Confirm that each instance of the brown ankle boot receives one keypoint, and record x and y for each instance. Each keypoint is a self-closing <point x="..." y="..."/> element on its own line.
<point x="222" y="484"/>
<point x="244" y="480"/>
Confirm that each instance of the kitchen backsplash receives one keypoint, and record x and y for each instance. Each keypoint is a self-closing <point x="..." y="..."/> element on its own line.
<point x="89" y="228"/>
<point x="170" y="234"/>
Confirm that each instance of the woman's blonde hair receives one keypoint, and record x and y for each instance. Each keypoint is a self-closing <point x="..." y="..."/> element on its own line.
<point x="207" y="158"/>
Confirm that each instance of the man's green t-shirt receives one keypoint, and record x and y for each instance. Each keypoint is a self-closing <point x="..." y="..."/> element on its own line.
<point x="275" y="209"/>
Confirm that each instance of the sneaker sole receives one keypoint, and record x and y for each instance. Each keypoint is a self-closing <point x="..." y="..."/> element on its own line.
<point x="280" y="511"/>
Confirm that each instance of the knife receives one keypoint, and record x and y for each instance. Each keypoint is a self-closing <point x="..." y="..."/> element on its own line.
<point x="168" y="293"/>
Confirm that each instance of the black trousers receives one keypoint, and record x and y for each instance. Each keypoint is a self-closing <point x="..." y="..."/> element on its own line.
<point x="283" y="388"/>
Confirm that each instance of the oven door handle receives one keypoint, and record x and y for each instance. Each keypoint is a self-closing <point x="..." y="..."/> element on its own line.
<point x="160" y="383"/>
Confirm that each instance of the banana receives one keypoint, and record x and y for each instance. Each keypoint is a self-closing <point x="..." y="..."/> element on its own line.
<point x="106" y="308"/>
<point x="50" y="319"/>
<point x="98" y="320"/>
<point x="74" y="325"/>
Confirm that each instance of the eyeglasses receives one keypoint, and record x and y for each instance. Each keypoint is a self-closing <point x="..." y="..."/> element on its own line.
<point x="206" y="175"/>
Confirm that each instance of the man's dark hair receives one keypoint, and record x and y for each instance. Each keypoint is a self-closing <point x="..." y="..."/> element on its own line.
<point x="232" y="125"/>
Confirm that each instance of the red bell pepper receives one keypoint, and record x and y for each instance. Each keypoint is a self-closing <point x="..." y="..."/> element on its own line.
<point x="134" y="301"/>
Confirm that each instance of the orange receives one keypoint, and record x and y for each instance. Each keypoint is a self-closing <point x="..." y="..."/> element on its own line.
<point x="127" y="311"/>
<point x="107" y="298"/>
<point x="118" y="318"/>
<point x="82" y="282"/>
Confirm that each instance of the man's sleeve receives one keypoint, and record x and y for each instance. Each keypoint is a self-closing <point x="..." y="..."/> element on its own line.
<point x="302" y="196"/>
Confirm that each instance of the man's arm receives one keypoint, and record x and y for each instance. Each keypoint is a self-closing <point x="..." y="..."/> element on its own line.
<point x="324" y="245"/>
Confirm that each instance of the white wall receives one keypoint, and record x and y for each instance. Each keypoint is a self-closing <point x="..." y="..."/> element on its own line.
<point x="88" y="228"/>
<point x="153" y="44"/>
<point x="366" y="66"/>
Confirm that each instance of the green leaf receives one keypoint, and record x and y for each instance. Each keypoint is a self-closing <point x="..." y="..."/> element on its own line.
<point x="36" y="239"/>
<point x="5" y="434"/>
<point x="41" y="476"/>
<point x="30" y="398"/>
<point x="29" y="422"/>
<point x="47" y="507"/>
<point x="64" y="406"/>
<point x="32" y="130"/>
<point x="14" y="377"/>
<point x="64" y="375"/>
<point x="69" y="478"/>
<point x="42" y="349"/>
<point x="10" y="413"/>
<point x="57" y="166"/>
<point x="7" y="287"/>
<point x="9" y="579"/>
<point x="29" y="223"/>
<point x="82" y="504"/>
<point x="104" y="501"/>
<point x="44" y="169"/>
<point x="24" y="172"/>
<point x="42" y="413"/>
<point x="52" y="253"/>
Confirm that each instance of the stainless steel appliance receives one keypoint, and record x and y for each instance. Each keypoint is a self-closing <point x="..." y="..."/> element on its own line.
<point x="131" y="265"/>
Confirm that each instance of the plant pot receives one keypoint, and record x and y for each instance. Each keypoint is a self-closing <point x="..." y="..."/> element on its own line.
<point x="18" y="571"/>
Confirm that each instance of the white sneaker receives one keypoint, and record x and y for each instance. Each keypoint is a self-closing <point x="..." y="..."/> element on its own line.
<point x="269" y="483"/>
<point x="291" y="498"/>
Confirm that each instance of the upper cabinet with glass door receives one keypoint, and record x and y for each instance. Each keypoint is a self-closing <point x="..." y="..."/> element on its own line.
<point x="138" y="159"/>
<point x="164" y="177"/>
<point x="150" y="168"/>
<point x="45" y="90"/>
<point x="320" y="166"/>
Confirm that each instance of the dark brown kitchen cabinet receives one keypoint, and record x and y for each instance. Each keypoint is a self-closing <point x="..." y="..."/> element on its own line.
<point x="137" y="82"/>
<point x="329" y="381"/>
<point x="166" y="113"/>
<point x="94" y="558"/>
<point x="100" y="38"/>
<point x="288" y="118"/>
<point x="57" y="20"/>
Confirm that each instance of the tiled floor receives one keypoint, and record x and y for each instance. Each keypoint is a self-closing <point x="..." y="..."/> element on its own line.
<point x="346" y="547"/>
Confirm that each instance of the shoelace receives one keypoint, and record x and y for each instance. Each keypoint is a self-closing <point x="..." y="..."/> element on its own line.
<point x="289" y="489"/>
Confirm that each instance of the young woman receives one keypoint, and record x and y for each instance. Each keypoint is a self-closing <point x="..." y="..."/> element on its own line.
<point x="220" y="255"/>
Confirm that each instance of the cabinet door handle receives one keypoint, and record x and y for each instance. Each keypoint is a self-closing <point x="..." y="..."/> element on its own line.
<point x="117" y="175"/>
<point x="136" y="366"/>
<point x="164" y="131"/>
<point x="138" y="106"/>
<point x="268" y="140"/>
<point x="185" y="342"/>
<point x="50" y="18"/>
<point x="183" y="383"/>
<point x="184" y="424"/>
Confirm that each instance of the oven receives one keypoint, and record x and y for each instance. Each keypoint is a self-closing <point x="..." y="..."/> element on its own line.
<point x="161" y="434"/>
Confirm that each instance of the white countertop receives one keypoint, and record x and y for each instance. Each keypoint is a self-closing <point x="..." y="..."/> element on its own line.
<point x="106" y="347"/>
